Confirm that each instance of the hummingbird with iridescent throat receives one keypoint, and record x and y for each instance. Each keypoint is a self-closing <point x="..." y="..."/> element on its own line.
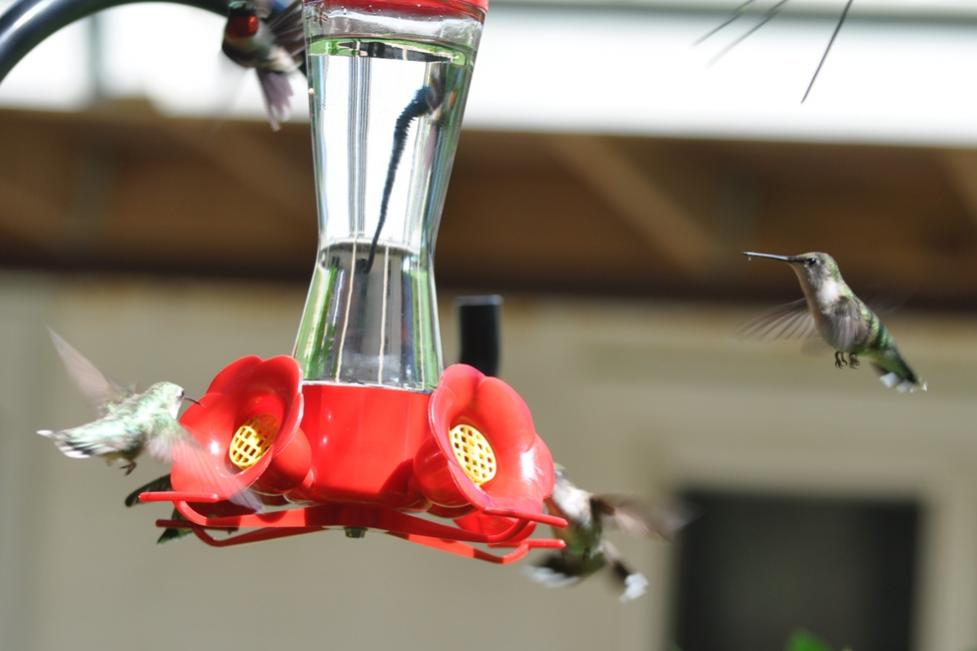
<point x="271" y="43"/>
<point x="832" y="310"/>
<point x="130" y="423"/>
<point x="587" y="551"/>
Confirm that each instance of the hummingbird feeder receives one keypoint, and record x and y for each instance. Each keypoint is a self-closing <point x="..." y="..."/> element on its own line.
<point x="361" y="428"/>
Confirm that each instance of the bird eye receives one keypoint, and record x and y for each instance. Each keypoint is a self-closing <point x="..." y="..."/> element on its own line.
<point x="812" y="261"/>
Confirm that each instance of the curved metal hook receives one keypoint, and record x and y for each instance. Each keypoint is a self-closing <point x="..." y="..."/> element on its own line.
<point x="28" y="22"/>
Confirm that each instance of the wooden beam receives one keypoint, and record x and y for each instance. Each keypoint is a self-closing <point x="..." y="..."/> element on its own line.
<point x="253" y="161"/>
<point x="652" y="210"/>
<point x="30" y="218"/>
<point x="256" y="165"/>
<point x="961" y="169"/>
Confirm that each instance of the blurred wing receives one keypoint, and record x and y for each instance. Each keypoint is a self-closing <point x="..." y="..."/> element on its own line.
<point x="849" y="324"/>
<point x="209" y="474"/>
<point x="167" y="433"/>
<point x="555" y="570"/>
<point x="288" y="30"/>
<point x="98" y="389"/>
<point x="888" y="300"/>
<point x="640" y="518"/>
<point x="263" y="8"/>
<point x="157" y="485"/>
<point x="789" y="321"/>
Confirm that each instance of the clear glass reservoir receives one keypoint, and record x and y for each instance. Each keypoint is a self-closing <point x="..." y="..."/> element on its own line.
<point x="388" y="84"/>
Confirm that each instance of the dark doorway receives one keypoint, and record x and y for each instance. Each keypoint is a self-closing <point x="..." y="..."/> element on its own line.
<point x="753" y="569"/>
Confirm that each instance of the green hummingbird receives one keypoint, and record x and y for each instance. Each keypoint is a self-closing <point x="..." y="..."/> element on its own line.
<point x="161" y="483"/>
<point x="831" y="309"/>
<point x="130" y="423"/>
<point x="269" y="37"/>
<point x="587" y="551"/>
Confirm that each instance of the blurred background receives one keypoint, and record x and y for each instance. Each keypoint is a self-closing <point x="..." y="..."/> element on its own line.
<point x="608" y="177"/>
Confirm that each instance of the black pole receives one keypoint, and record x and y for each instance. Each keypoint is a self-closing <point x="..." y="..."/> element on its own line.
<point x="28" y="22"/>
<point x="478" y="319"/>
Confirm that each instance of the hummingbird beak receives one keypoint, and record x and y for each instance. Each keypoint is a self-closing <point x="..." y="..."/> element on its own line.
<point x="770" y="256"/>
<point x="189" y="399"/>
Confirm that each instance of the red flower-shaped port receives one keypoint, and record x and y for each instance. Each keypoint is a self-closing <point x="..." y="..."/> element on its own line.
<point x="483" y="453"/>
<point x="248" y="420"/>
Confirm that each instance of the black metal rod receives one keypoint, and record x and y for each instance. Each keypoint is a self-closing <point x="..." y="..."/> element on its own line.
<point x="478" y="318"/>
<point x="28" y="22"/>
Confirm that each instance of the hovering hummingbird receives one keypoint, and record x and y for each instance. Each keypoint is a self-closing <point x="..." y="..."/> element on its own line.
<point x="129" y="423"/>
<point x="160" y="484"/>
<point x="586" y="551"/>
<point x="831" y="309"/>
<point x="271" y="43"/>
<point x="163" y="484"/>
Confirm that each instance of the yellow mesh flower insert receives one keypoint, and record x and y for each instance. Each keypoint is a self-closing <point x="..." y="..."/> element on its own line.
<point x="476" y="456"/>
<point x="252" y="440"/>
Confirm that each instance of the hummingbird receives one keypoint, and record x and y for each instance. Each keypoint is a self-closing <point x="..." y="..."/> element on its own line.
<point x="587" y="551"/>
<point x="160" y="484"/>
<point x="273" y="44"/>
<point x="831" y="309"/>
<point x="130" y="423"/>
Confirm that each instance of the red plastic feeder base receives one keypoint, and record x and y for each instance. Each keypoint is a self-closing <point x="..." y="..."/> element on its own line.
<point x="356" y="457"/>
<point x="322" y="517"/>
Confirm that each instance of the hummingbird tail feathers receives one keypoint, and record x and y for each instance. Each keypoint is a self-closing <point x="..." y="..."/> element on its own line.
<point x="158" y="484"/>
<point x="635" y="584"/>
<point x="896" y="374"/>
<point x="277" y="91"/>
<point x="69" y="446"/>
<point x="173" y="533"/>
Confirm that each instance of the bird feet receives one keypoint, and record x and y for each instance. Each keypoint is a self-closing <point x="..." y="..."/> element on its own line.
<point x="129" y="467"/>
<point x="842" y="362"/>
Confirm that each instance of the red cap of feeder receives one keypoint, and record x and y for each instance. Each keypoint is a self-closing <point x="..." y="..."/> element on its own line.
<point x="484" y="453"/>
<point x="412" y="6"/>
<point x="249" y="420"/>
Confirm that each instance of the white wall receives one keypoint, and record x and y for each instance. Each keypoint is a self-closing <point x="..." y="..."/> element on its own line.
<point x="900" y="71"/>
<point x="629" y="397"/>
